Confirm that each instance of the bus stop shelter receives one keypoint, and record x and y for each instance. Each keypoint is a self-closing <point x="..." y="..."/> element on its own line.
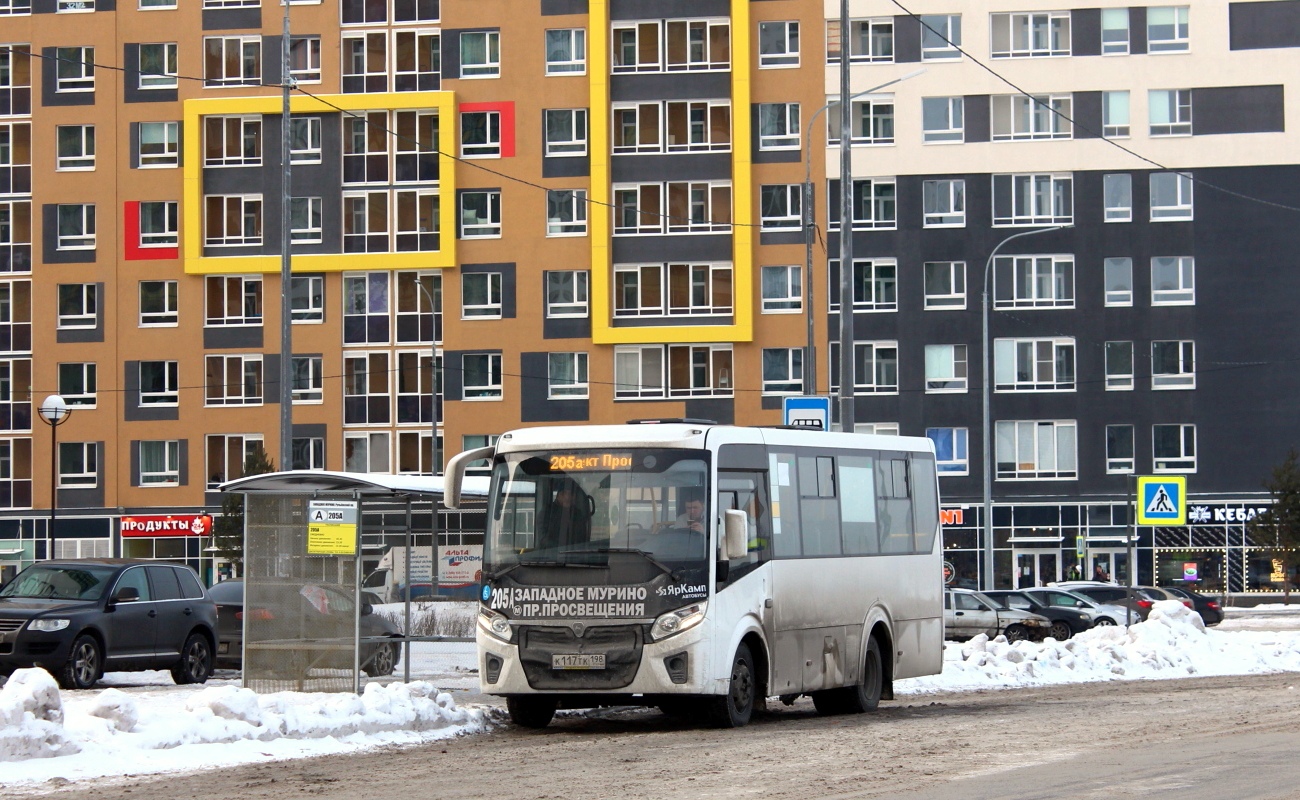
<point x="304" y="537"/>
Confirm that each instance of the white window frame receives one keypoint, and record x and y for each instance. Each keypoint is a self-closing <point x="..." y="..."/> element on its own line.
<point x="244" y="130"/>
<point x="947" y="369"/>
<point x="74" y="70"/>
<point x="80" y="137"/>
<point x="243" y="207"/>
<point x="167" y="79"/>
<point x="1169" y="112"/>
<point x="865" y="45"/>
<point x="1030" y="34"/>
<point x="781" y="206"/>
<point x="250" y="74"/>
<point x="313" y="448"/>
<point x="169" y="236"/>
<point x="788" y="278"/>
<point x="311" y="211"/>
<point x="1177" y="287"/>
<point x="576" y="143"/>
<point x="87" y="477"/>
<point x="488" y="227"/>
<point x="573" y="59"/>
<point x="943" y="203"/>
<point x="1036" y="199"/>
<point x="875" y="285"/>
<point x="571" y="219"/>
<point x="314" y="310"/>
<point x="1118" y="379"/>
<point x="940" y="37"/>
<point x="376" y="450"/>
<point x="492" y="390"/>
<point x="873" y="122"/>
<point x="1115" y="116"/>
<point x="949" y="116"/>
<point x="778" y="44"/>
<point x="959" y="464"/>
<point x="577" y="289"/>
<point x="78" y="383"/>
<point x="1181" y="184"/>
<point x="1183" y="363"/>
<point x="1034" y="365"/>
<point x="79" y="231"/>
<point x="783" y="370"/>
<point x="490" y="66"/>
<point x="639" y="372"/>
<point x="778" y="127"/>
<point x="1184" y="460"/>
<point x="169" y="395"/>
<point x="305" y="149"/>
<point x="560" y="387"/>
<point x="222" y="394"/>
<point x="1178" y="40"/>
<point x="168" y="316"/>
<point x="1037" y="281"/>
<point x="1015" y="117"/>
<point x="368" y="383"/>
<point x="1115" y="39"/>
<point x="308" y="379"/>
<point x="170" y="155"/>
<point x="245" y="292"/>
<point x="1117" y="197"/>
<point x="955" y="298"/>
<point x="170" y="475"/>
<point x="491" y="288"/>
<point x="871" y="367"/>
<point x="1117" y="463"/>
<point x="1117" y="281"/>
<point x="710" y="370"/>
<point x="877" y="194"/>
<point x="219" y="445"/>
<point x="490" y="147"/>
<point x="305" y="58"/>
<point x="876" y="428"/>
<point x="1051" y="445"/>
<point x="702" y="280"/>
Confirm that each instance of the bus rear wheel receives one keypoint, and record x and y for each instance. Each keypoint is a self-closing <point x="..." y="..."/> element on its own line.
<point x="863" y="697"/>
<point x="734" y="709"/>
<point x="528" y="711"/>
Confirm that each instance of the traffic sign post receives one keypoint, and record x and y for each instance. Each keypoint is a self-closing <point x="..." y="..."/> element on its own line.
<point x="813" y="413"/>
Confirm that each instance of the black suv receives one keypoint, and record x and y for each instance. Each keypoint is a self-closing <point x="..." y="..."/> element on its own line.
<point x="78" y="618"/>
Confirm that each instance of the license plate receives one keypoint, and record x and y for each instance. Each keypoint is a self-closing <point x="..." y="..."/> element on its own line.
<point x="578" y="661"/>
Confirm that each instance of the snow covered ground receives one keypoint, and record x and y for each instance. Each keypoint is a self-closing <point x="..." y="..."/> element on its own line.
<point x="144" y="724"/>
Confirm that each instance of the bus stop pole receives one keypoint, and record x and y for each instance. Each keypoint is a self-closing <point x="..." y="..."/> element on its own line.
<point x="356" y="600"/>
<point x="406" y="626"/>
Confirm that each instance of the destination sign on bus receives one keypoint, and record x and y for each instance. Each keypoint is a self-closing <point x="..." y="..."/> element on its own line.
<point x="584" y="462"/>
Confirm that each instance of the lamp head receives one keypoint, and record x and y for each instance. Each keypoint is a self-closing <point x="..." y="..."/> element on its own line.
<point x="54" y="409"/>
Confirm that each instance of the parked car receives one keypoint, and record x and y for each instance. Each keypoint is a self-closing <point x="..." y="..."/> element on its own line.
<point x="1065" y="621"/>
<point x="313" y="611"/>
<point x="968" y="613"/>
<point x="1139" y="599"/>
<point x="1102" y="614"/>
<point x="1207" y="607"/>
<point x="79" y="618"/>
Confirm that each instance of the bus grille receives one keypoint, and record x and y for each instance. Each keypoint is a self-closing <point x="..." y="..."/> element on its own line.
<point x="621" y="645"/>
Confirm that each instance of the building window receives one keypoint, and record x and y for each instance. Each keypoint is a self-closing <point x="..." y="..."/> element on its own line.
<point x="158" y="66"/>
<point x="638" y="372"/>
<point x="417" y="61"/>
<point x="159" y="144"/>
<point x="1119" y="281"/>
<point x="697" y="45"/>
<point x="156" y="4"/>
<point x="1114" y="115"/>
<point x="1031" y="35"/>
<point x="365" y="63"/>
<point x="159" y="383"/>
<point x="305" y="220"/>
<point x="307" y="298"/>
<point x="873" y="122"/>
<point x="566" y="132"/>
<point x="417" y="221"/>
<point x="304" y="59"/>
<point x="944" y="203"/>
<point x="1119" y="366"/>
<point x="480" y="295"/>
<point x="304" y="140"/>
<point x="637" y="48"/>
<point x="227" y="455"/>
<point x="1173" y="281"/>
<point x="365" y="308"/>
<point x="870" y="41"/>
<point x="1114" y="32"/>
<point x="365" y="222"/>
<point x="782" y="289"/>
<point x="76" y="147"/>
<point x="942" y="119"/>
<point x="875" y="285"/>
<point x="232" y="61"/>
<point x="1033" y="365"/>
<point x="782" y="370"/>
<point x="875" y="204"/>
<point x="365" y="452"/>
<point x="1171" y="196"/>
<point x="159" y="224"/>
<point x="481" y="375"/>
<point x="232" y="141"/>
<point x="945" y="368"/>
<point x="308" y="379"/>
<point x="15" y="236"/>
<point x="778" y="126"/>
<point x="1036" y="449"/>
<point x="778" y="44"/>
<point x="419" y="381"/>
<point x="876" y="428"/>
<point x="780" y="206"/>
<point x="1117" y="194"/>
<point x="699" y="370"/>
<point x="1119" y="449"/>
<point x="77" y="384"/>
<point x="1167" y="30"/>
<point x="76" y="227"/>
<point x="691" y="208"/>
<point x="160" y="463"/>
<point x="638" y="128"/>
<point x="14" y="8"/>
<point x="950" y="450"/>
<point x="234" y="300"/>
<point x="566" y="212"/>
<point x="78" y="305"/>
<point x="480" y="134"/>
<point x="875" y="367"/>
<point x="1033" y="199"/>
<point x="1033" y="282"/>
<point x="234" y="381"/>
<point x="480" y="215"/>
<point x="940" y="37"/>
<point x="566" y="51"/>
<point x="367" y="397"/>
<point x="419" y="307"/>
<point x="566" y="293"/>
<point x="75" y="70"/>
<point x="566" y="375"/>
<point x="1016" y="117"/>
<point x="1170" y="112"/>
<point x="945" y="285"/>
<point x="233" y="220"/>
<point x="1173" y="365"/>
<point x="159" y="305"/>
<point x="688" y="289"/>
<point x="78" y="467"/>
<point x="309" y="452"/>
<point x="1173" y="448"/>
<point x="480" y="54"/>
<point x="473" y="441"/>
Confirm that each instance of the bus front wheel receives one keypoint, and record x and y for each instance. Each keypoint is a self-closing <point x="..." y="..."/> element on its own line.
<point x="733" y="709"/>
<point x="863" y="697"/>
<point x="529" y="711"/>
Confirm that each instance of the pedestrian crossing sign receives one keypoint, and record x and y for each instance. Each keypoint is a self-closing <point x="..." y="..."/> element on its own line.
<point x="1161" y="500"/>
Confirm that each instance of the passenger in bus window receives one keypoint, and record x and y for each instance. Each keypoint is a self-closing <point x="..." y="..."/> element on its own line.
<point x="568" y="517"/>
<point x="692" y="516"/>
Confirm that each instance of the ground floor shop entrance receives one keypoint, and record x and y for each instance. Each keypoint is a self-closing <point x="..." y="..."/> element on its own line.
<point x="1035" y="568"/>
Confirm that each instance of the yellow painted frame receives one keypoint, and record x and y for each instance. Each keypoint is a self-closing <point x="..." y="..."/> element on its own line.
<point x="192" y="193"/>
<point x="742" y="201"/>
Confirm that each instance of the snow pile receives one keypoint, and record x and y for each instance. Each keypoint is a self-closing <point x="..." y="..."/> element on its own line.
<point x="1172" y="643"/>
<point x="31" y="717"/>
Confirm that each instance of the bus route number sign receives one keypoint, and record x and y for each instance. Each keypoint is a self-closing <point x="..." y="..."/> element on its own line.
<point x="587" y="462"/>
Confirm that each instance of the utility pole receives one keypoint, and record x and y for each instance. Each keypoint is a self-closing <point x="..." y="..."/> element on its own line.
<point x="286" y="254"/>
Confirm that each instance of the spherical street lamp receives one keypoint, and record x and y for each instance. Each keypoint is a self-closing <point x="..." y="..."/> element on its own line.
<point x="54" y="412"/>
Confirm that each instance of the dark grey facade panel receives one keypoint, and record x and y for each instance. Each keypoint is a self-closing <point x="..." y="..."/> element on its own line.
<point x="1137" y="30"/>
<point x="535" y="404"/>
<point x="566" y="328"/>
<point x="310" y="430"/>
<point x="771" y="403"/>
<point x="272" y="71"/>
<point x="90" y="496"/>
<point x="555" y="8"/>
<point x="692" y="247"/>
<point x="719" y="409"/>
<point x="133" y="134"/>
<point x="1087" y="115"/>
<point x="669" y="86"/>
<point x="1260" y="26"/>
<point x="233" y="19"/>
<point x="132" y="411"/>
<point x="131" y="91"/>
<point x="1238" y="109"/>
<point x="975" y="113"/>
<point x="1085" y="32"/>
<point x="449" y="44"/>
<point x="271" y="379"/>
<point x="233" y="337"/>
<point x="781" y="237"/>
<point x="566" y="166"/>
<point x="86" y="335"/>
<point x="907" y="39"/>
<point x="667" y="9"/>
<point x="50" y="252"/>
<point x="508" y="285"/>
<point x="671" y="167"/>
<point x="453" y="379"/>
<point x="49" y="81"/>
<point x="135" y="462"/>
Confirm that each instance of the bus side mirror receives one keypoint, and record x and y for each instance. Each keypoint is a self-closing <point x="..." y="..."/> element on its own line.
<point x="736" y="527"/>
<point x="455" y="473"/>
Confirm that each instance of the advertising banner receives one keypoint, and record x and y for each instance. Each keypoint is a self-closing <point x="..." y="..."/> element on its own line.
<point x="460" y="565"/>
<point x="175" y="525"/>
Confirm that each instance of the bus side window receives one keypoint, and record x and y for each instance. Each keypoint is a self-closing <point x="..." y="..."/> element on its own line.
<point x="858" y="505"/>
<point x="783" y="477"/>
<point x="894" y="506"/>
<point x="925" y="502"/>
<point x="819" y="511"/>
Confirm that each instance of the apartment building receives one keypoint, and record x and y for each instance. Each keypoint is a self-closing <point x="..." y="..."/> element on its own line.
<point x="506" y="213"/>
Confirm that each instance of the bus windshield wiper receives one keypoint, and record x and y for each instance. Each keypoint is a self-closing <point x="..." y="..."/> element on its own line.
<point x="643" y="553"/>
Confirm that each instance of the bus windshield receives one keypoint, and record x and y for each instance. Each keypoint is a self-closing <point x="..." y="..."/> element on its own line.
<point x="635" y="513"/>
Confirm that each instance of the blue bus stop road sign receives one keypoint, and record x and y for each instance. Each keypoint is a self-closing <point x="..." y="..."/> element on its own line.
<point x="813" y="413"/>
<point x="1161" y="500"/>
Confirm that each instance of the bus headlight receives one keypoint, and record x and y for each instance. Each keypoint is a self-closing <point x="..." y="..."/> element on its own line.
<point x="495" y="624"/>
<point x="674" y="622"/>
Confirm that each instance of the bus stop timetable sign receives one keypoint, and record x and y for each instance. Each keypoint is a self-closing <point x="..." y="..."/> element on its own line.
<point x="331" y="528"/>
<point x="813" y="413"/>
<point x="1161" y="500"/>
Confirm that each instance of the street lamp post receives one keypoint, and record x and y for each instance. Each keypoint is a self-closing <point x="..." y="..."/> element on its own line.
<point x="54" y="412"/>
<point x="810" y="351"/>
<point x="987" y="390"/>
<point x="433" y="376"/>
